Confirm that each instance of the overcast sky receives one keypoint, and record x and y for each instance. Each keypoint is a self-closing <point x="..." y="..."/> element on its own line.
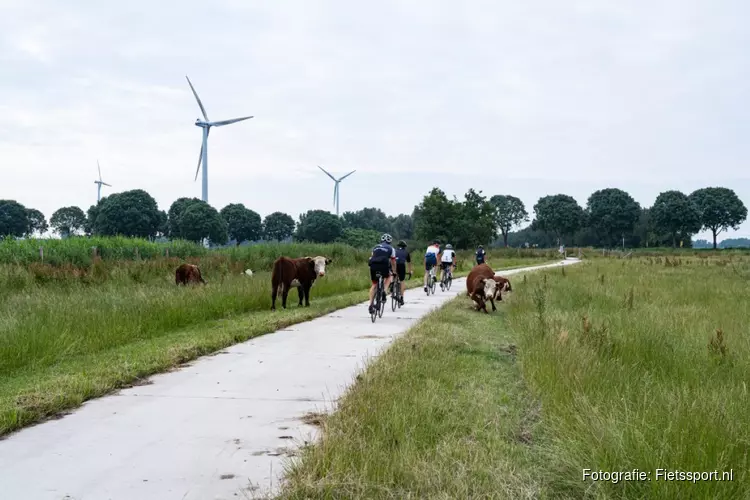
<point x="524" y="98"/>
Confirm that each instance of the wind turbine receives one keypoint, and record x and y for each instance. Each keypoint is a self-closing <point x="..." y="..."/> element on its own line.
<point x="336" y="187"/>
<point x="100" y="183"/>
<point x="206" y="125"/>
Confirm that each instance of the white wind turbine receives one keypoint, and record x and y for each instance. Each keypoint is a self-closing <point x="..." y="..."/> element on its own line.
<point x="100" y="183"/>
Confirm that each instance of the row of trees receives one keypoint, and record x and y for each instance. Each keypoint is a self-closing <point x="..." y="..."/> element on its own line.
<point x="611" y="217"/>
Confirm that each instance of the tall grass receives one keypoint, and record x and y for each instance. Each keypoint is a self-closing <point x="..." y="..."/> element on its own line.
<point x="640" y="364"/>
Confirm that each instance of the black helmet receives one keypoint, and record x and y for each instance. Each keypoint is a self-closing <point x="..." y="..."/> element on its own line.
<point x="402" y="244"/>
<point x="480" y="246"/>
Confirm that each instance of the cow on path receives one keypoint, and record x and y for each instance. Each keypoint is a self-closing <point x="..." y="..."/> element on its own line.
<point x="188" y="273"/>
<point x="481" y="286"/>
<point x="299" y="273"/>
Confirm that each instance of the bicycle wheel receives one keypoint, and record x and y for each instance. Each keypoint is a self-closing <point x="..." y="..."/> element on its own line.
<point x="394" y="295"/>
<point x="376" y="303"/>
<point x="449" y="281"/>
<point x="434" y="284"/>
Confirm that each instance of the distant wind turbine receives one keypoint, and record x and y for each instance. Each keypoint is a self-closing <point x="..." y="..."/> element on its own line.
<point x="206" y="125"/>
<point x="100" y="183"/>
<point x="336" y="187"/>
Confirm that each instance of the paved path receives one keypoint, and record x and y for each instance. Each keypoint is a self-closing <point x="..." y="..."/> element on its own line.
<point x="217" y="429"/>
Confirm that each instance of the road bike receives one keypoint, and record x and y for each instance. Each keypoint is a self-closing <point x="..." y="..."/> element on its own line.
<point x="445" y="283"/>
<point x="379" y="303"/>
<point x="432" y="281"/>
<point x="396" y="295"/>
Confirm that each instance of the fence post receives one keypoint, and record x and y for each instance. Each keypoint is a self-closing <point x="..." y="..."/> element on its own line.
<point x="167" y="252"/>
<point x="93" y="252"/>
<point x="41" y="253"/>
<point x="136" y="253"/>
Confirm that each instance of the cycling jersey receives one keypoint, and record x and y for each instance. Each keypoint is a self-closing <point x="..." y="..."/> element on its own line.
<point x="448" y="255"/>
<point x="432" y="253"/>
<point x="382" y="254"/>
<point x="480" y="256"/>
<point x="402" y="256"/>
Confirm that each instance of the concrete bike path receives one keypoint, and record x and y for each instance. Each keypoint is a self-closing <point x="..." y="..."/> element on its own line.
<point x="216" y="429"/>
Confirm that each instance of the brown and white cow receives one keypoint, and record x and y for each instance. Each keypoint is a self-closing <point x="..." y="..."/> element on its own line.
<point x="300" y="273"/>
<point x="188" y="273"/>
<point x="503" y="285"/>
<point x="481" y="287"/>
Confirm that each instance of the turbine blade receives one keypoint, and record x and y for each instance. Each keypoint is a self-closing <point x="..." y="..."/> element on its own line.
<point x="100" y="169"/>
<point x="335" y="192"/>
<point x="203" y="110"/>
<point x="200" y="159"/>
<point x="229" y="122"/>
<point x="329" y="175"/>
<point x="105" y="184"/>
<point x="347" y="175"/>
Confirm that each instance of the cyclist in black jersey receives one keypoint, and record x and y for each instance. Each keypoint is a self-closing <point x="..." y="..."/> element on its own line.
<point x="383" y="261"/>
<point x="403" y="256"/>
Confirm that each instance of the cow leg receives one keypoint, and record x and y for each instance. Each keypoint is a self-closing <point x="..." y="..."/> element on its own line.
<point x="301" y="293"/>
<point x="307" y="295"/>
<point x="274" y="291"/>
<point x="493" y="305"/>
<point x="284" y="295"/>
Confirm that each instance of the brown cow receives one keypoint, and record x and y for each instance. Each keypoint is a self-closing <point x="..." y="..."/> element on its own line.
<point x="188" y="273"/>
<point x="481" y="286"/>
<point x="300" y="273"/>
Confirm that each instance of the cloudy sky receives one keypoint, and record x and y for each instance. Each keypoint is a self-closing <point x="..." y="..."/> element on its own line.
<point x="524" y="98"/>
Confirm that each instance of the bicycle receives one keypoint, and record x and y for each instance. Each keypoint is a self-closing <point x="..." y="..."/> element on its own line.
<point x="396" y="295"/>
<point x="379" y="304"/>
<point x="445" y="283"/>
<point x="432" y="281"/>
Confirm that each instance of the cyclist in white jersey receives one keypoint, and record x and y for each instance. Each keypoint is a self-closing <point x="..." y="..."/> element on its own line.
<point x="448" y="261"/>
<point x="430" y="260"/>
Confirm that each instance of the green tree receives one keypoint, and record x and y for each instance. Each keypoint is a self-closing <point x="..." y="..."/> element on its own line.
<point x="612" y="214"/>
<point x="558" y="214"/>
<point x="368" y="218"/>
<point x="360" y="238"/>
<point x="402" y="226"/>
<point x="200" y="221"/>
<point x="319" y="226"/>
<point x="242" y="223"/>
<point x="36" y="222"/>
<point x="437" y="217"/>
<point x="131" y="213"/>
<point x="477" y="221"/>
<point x="91" y="215"/>
<point x="674" y="213"/>
<point x="175" y="213"/>
<point x="163" y="229"/>
<point x="718" y="209"/>
<point x="278" y="226"/>
<point x="67" y="221"/>
<point x="13" y="218"/>
<point x="510" y="212"/>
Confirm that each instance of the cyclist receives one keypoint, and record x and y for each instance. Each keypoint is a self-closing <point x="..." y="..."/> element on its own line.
<point x="383" y="261"/>
<point x="402" y="257"/>
<point x="430" y="260"/>
<point x="480" y="254"/>
<point x="447" y="261"/>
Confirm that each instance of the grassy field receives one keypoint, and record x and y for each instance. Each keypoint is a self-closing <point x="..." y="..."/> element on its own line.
<point x="73" y="336"/>
<point x="611" y="365"/>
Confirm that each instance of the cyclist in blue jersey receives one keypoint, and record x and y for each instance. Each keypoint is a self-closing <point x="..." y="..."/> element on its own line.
<point x="480" y="254"/>
<point x="430" y="260"/>
<point x="402" y="258"/>
<point x="383" y="261"/>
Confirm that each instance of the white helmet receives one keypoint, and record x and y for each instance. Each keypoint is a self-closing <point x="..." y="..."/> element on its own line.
<point x="448" y="246"/>
<point x="387" y="238"/>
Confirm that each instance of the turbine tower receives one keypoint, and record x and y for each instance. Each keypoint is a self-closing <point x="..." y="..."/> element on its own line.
<point x="336" y="187"/>
<point x="99" y="184"/>
<point x="206" y="125"/>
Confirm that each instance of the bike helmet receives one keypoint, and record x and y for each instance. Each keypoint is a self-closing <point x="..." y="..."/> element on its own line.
<point x="449" y="246"/>
<point x="387" y="238"/>
<point x="480" y="246"/>
<point x="402" y="244"/>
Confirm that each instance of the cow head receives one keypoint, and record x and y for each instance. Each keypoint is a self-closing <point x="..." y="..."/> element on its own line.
<point x="490" y="285"/>
<point x="318" y="264"/>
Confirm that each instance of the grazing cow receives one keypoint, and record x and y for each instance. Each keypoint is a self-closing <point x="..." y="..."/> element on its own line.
<point x="188" y="273"/>
<point x="481" y="286"/>
<point x="300" y="273"/>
